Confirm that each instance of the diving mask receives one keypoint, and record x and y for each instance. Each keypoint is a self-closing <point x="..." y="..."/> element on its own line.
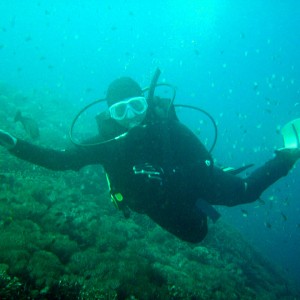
<point x="130" y="112"/>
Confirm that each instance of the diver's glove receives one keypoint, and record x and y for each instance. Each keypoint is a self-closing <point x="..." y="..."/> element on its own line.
<point x="152" y="172"/>
<point x="7" y="140"/>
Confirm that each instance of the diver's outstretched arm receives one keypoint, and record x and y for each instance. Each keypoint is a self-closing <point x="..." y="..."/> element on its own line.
<point x="70" y="159"/>
<point x="231" y="190"/>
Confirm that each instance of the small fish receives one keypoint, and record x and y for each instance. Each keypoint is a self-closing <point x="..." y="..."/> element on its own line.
<point x="261" y="201"/>
<point x="28" y="38"/>
<point x="284" y="216"/>
<point x="198" y="131"/>
<point x="244" y="213"/>
<point x="268" y="225"/>
<point x="255" y="86"/>
<point x="286" y="201"/>
<point x="267" y="110"/>
<point x="29" y="125"/>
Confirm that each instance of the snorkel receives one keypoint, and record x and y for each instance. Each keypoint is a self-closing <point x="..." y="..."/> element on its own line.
<point x="152" y="87"/>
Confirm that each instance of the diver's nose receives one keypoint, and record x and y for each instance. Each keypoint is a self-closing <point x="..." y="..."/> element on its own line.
<point x="130" y="114"/>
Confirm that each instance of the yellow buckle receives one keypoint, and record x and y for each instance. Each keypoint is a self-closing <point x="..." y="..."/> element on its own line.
<point x="118" y="197"/>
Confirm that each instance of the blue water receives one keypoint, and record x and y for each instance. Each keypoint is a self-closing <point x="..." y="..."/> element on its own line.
<point x="237" y="59"/>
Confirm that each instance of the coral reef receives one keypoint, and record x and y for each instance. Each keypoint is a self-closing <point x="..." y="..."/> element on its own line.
<point x="60" y="242"/>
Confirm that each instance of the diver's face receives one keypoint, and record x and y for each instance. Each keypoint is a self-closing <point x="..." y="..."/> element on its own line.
<point x="129" y="112"/>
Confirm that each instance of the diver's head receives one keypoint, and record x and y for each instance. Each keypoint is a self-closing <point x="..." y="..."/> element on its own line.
<point x="126" y="102"/>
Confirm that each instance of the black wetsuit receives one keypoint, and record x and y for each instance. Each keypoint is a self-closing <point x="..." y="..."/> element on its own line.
<point x="184" y="172"/>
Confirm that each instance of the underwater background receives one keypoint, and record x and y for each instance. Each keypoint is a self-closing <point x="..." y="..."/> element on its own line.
<point x="238" y="60"/>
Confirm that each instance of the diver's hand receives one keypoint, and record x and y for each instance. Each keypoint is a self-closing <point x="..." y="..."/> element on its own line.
<point x="7" y="140"/>
<point x="290" y="154"/>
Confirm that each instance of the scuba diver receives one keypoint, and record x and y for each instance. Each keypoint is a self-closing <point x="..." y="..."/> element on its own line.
<point x="155" y="165"/>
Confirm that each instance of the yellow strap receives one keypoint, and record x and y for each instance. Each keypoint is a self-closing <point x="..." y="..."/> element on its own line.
<point x="115" y="198"/>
